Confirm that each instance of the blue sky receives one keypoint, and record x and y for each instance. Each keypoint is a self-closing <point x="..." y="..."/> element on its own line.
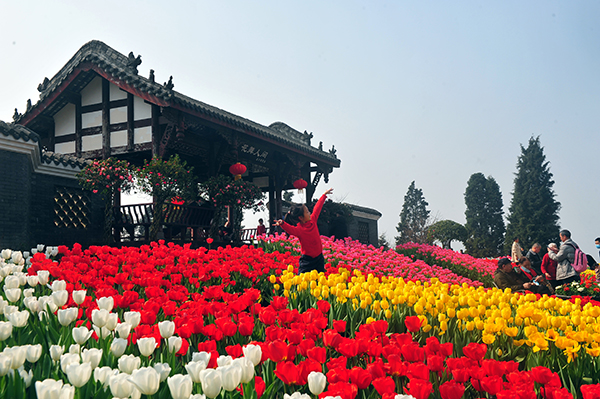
<point x="431" y="91"/>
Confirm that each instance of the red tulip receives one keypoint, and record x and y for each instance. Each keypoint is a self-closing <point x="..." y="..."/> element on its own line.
<point x="475" y="351"/>
<point x="452" y="390"/>
<point x="590" y="391"/>
<point x="413" y="323"/>
<point x="339" y="326"/>
<point x="420" y="389"/>
<point x="361" y="377"/>
<point x="384" y="385"/>
<point x="287" y="372"/>
<point x="541" y="375"/>
<point x="492" y="384"/>
<point x="259" y="386"/>
<point x="317" y="353"/>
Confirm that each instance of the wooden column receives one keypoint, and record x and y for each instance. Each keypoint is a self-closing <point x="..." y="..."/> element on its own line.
<point x="155" y="130"/>
<point x="105" y="119"/>
<point x="130" y="121"/>
<point x="78" y="125"/>
<point x="272" y="206"/>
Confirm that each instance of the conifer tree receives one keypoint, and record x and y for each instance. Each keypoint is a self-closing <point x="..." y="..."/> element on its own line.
<point x="413" y="218"/>
<point x="485" y="225"/>
<point x="533" y="213"/>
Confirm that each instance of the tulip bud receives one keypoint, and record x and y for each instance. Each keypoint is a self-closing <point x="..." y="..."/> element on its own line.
<point x="253" y="352"/>
<point x="6" y="253"/>
<point x="118" y="346"/>
<point x="28" y="292"/>
<point x="75" y="348"/>
<point x="5" y="362"/>
<point x="33" y="280"/>
<point x="180" y="386"/>
<point x="27" y="377"/>
<point x="18" y="319"/>
<point x="43" y="276"/>
<point x="111" y="322"/>
<point x="60" y="297"/>
<point x="34" y="352"/>
<point x="123" y="329"/>
<point x="247" y="369"/>
<point x="316" y="382"/>
<point x="58" y="285"/>
<point x="133" y="318"/>
<point x="103" y="375"/>
<point x="146" y="346"/>
<point x="211" y="382"/>
<point x="100" y="317"/>
<point x="298" y="395"/>
<point x="174" y="343"/>
<point x="67" y="316"/>
<point x="81" y="334"/>
<point x="102" y="332"/>
<point x="56" y="352"/>
<point x="107" y="303"/>
<point x="67" y="359"/>
<point x="5" y="330"/>
<point x="11" y="282"/>
<point x="231" y="376"/>
<point x="223" y="361"/>
<point x="18" y="355"/>
<point x="12" y="294"/>
<point x="163" y="370"/>
<point x="201" y="357"/>
<point x="78" y="296"/>
<point x="92" y="356"/>
<point x="128" y="363"/>
<point x="194" y="369"/>
<point x="166" y="328"/>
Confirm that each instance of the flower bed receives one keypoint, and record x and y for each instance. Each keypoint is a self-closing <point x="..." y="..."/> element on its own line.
<point x="167" y="321"/>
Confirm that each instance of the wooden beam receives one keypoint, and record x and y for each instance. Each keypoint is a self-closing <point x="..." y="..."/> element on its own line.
<point x="78" y="125"/>
<point x="155" y="130"/>
<point x="105" y="119"/>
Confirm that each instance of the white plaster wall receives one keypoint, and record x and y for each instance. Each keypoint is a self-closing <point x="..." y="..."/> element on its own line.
<point x="65" y="148"/>
<point x="141" y="109"/>
<point x="142" y="135"/>
<point x="64" y="121"/>
<point x="116" y="93"/>
<point x="118" y="115"/>
<point x="118" y="139"/>
<point x="91" y="119"/>
<point x="92" y="93"/>
<point x="90" y="143"/>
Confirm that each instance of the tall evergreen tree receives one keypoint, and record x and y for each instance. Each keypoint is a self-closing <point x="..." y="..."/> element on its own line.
<point x="485" y="225"/>
<point x="533" y="213"/>
<point x="413" y="218"/>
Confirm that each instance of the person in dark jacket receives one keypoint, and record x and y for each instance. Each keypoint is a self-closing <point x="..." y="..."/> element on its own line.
<point x="535" y="258"/>
<point x="506" y="277"/>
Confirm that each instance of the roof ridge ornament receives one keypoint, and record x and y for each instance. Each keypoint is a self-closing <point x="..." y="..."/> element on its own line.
<point x="16" y="115"/>
<point x="169" y="85"/>
<point x="133" y="62"/>
<point x="44" y="85"/>
<point x="151" y="77"/>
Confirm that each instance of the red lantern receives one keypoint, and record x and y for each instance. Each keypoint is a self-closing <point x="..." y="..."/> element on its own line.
<point x="237" y="170"/>
<point x="300" y="184"/>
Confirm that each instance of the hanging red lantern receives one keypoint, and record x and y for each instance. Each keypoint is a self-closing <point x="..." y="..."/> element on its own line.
<point x="300" y="184"/>
<point x="237" y="170"/>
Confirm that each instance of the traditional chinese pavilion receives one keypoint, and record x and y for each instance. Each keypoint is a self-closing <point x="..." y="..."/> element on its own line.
<point x="98" y="106"/>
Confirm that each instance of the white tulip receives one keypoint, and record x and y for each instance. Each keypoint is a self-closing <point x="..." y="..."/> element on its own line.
<point x="180" y="386"/>
<point x="253" y="352"/>
<point x="56" y="352"/>
<point x="27" y="377"/>
<point x="198" y="396"/>
<point x="16" y="257"/>
<point x="40" y="247"/>
<point x="3" y="304"/>
<point x="58" y="285"/>
<point x="163" y="370"/>
<point x="8" y="309"/>
<point x="123" y="329"/>
<point x="67" y="316"/>
<point x="224" y="360"/>
<point x="92" y="356"/>
<point x="79" y="296"/>
<point x="296" y="395"/>
<point x="111" y="322"/>
<point x="5" y="362"/>
<point x="174" y="343"/>
<point x="247" y="369"/>
<point x="12" y="294"/>
<point x="102" y="332"/>
<point x="48" y="389"/>
<point x="120" y="386"/>
<point x="128" y="363"/>
<point x="33" y="280"/>
<point x="60" y="297"/>
<point x="6" y="328"/>
<point x="18" y="319"/>
<point x="118" y="347"/>
<point x="31" y="303"/>
<point x="28" y="292"/>
<point x="11" y="282"/>
<point x="133" y="318"/>
<point x="47" y="303"/>
<point x="68" y="358"/>
<point x="18" y="355"/>
<point x="81" y="334"/>
<point x="34" y="352"/>
<point x="146" y="379"/>
<point x="43" y="276"/>
<point x="211" y="382"/>
<point x="194" y="369"/>
<point x="231" y="376"/>
<point x="316" y="382"/>
<point x="79" y="374"/>
<point x="201" y="357"/>
<point x="146" y="346"/>
<point x="6" y="253"/>
<point x="106" y="303"/>
<point x="166" y="328"/>
<point x="100" y="317"/>
<point x="54" y="251"/>
<point x="43" y="316"/>
<point x="75" y="348"/>
<point x="103" y="375"/>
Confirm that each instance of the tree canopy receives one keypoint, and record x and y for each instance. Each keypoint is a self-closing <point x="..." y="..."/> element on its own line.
<point x="485" y="224"/>
<point x="446" y="231"/>
<point x="413" y="218"/>
<point x="533" y="213"/>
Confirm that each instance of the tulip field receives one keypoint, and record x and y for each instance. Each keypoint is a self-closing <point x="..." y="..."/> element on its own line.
<point x="168" y="321"/>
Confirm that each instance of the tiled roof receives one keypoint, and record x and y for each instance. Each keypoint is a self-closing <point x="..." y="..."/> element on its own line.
<point x="18" y="132"/>
<point x="363" y="209"/>
<point x="49" y="157"/>
<point x="124" y="69"/>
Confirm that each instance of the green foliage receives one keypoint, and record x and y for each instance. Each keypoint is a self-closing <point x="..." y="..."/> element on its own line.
<point x="383" y="242"/>
<point x="485" y="224"/>
<point x="413" y="218"/>
<point x="533" y="213"/>
<point x="446" y="231"/>
<point x="222" y="191"/>
<point x="106" y="177"/>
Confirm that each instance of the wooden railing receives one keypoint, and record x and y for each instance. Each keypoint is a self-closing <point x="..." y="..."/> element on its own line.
<point x="183" y="222"/>
<point x="246" y="235"/>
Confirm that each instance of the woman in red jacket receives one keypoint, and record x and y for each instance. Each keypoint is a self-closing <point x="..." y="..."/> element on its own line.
<point x="302" y="224"/>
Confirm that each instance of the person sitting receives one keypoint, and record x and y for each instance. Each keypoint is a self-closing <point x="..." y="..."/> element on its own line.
<point x="549" y="266"/>
<point x="540" y="285"/>
<point x="506" y="277"/>
<point x="261" y="228"/>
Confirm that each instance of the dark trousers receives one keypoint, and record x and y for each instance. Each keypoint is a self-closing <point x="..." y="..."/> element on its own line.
<point x="568" y="280"/>
<point x="308" y="263"/>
